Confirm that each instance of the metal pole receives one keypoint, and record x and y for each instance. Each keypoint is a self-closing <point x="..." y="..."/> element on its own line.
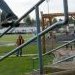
<point x="5" y="31"/>
<point x="65" y="3"/>
<point x="16" y="22"/>
<point x="40" y="34"/>
<point x="43" y="37"/>
<point x="37" y="4"/>
<point x="39" y="40"/>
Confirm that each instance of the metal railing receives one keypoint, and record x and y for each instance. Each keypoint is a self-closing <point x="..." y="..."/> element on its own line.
<point x="16" y="22"/>
<point x="57" y="48"/>
<point x="53" y="26"/>
<point x="53" y="50"/>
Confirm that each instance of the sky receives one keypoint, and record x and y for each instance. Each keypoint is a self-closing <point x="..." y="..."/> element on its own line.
<point x="19" y="7"/>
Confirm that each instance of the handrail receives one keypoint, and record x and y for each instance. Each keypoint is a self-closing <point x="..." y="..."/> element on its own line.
<point x="36" y="5"/>
<point x="31" y="40"/>
<point x="5" y="31"/>
<point x="66" y="21"/>
<point x="65" y="59"/>
<point x="16" y="22"/>
<point x="41" y="33"/>
<point x="57" y="48"/>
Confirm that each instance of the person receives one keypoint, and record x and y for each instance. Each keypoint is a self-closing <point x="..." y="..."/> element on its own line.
<point x="19" y="41"/>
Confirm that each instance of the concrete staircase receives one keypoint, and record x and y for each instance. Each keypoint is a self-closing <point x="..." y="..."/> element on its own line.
<point x="64" y="68"/>
<point x="67" y="72"/>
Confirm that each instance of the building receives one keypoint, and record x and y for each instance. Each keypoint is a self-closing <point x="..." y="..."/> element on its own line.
<point x="21" y="30"/>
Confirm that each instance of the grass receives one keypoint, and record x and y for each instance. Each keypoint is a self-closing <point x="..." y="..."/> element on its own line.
<point x="12" y="38"/>
<point x="30" y="49"/>
<point x="47" y="59"/>
<point x="15" y="66"/>
<point x="20" y="65"/>
<point x="5" y="49"/>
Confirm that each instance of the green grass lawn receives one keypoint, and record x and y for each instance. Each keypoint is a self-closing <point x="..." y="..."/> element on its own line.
<point x="20" y="65"/>
<point x="13" y="37"/>
<point x="16" y="66"/>
<point x="30" y="49"/>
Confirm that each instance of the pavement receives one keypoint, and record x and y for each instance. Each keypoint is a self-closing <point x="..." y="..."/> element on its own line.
<point x="25" y="55"/>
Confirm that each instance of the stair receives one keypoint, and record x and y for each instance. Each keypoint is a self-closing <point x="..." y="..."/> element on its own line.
<point x="67" y="72"/>
<point x="64" y="68"/>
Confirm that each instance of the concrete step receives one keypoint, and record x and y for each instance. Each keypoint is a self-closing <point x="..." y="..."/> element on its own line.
<point x="67" y="72"/>
<point x="48" y="69"/>
<point x="64" y="66"/>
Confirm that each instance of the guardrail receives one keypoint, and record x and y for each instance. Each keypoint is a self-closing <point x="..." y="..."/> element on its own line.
<point x="53" y="26"/>
<point x="16" y="22"/>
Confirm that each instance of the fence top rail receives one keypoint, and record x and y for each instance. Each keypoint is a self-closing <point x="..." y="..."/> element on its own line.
<point x="57" y="48"/>
<point x="43" y="32"/>
<point x="17" y="21"/>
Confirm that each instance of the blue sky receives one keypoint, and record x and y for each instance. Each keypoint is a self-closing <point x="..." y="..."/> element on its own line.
<point x="20" y="7"/>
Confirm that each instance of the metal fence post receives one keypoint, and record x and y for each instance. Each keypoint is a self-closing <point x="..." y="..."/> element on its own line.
<point x="39" y="40"/>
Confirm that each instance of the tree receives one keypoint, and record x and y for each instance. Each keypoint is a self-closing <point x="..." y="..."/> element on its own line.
<point x="27" y="20"/>
<point x="54" y="20"/>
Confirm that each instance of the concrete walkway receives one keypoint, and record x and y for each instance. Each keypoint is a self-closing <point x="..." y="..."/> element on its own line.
<point x="26" y="55"/>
